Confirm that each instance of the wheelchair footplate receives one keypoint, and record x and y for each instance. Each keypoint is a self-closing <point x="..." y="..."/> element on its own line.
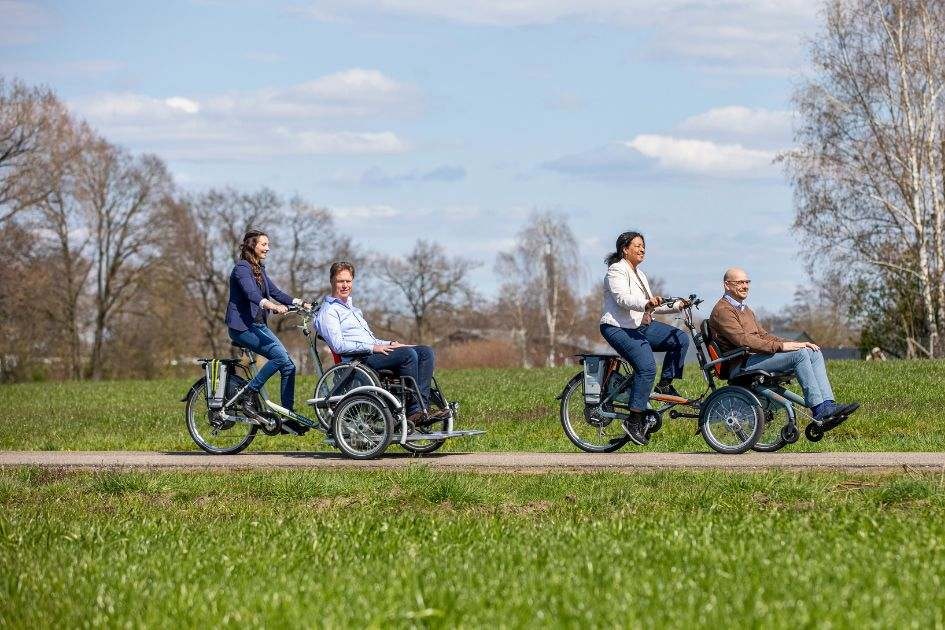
<point x="438" y="435"/>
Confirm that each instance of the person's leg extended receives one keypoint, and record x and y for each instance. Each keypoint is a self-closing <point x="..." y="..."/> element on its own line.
<point x="674" y="342"/>
<point x="820" y="374"/>
<point x="798" y="362"/>
<point x="251" y="339"/>
<point x="280" y="360"/>
<point x="403" y="361"/>
<point x="426" y="361"/>
<point x="633" y="346"/>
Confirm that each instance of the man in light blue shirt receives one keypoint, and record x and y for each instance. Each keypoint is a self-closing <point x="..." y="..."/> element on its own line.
<point x="343" y="327"/>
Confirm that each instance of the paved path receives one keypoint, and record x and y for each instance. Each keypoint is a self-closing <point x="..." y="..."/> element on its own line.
<point x="507" y="462"/>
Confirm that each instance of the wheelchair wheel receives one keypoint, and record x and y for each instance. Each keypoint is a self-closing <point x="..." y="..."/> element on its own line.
<point x="776" y="418"/>
<point x="582" y="424"/>
<point x="731" y="420"/>
<point x="338" y="380"/>
<point x="208" y="430"/>
<point x="424" y="447"/>
<point x="363" y="426"/>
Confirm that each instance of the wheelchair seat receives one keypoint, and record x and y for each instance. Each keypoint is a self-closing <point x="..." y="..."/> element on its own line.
<point x="337" y="358"/>
<point x="723" y="370"/>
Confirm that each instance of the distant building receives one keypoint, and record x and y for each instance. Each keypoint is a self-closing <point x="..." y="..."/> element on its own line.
<point x="830" y="353"/>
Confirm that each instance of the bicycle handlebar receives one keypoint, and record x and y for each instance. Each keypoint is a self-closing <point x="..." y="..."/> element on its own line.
<point x="693" y="299"/>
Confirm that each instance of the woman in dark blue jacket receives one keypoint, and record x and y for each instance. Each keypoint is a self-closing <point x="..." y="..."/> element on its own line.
<point x="252" y="294"/>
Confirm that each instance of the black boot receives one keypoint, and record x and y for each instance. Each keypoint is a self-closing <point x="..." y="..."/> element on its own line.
<point x="666" y="388"/>
<point x="635" y="428"/>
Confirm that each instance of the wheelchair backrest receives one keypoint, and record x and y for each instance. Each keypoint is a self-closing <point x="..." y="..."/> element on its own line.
<point x="722" y="369"/>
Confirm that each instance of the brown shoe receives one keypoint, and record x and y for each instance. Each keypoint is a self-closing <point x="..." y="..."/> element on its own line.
<point x="417" y="417"/>
<point x="439" y="414"/>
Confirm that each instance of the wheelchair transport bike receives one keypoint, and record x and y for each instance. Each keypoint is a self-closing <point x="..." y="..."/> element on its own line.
<point x="361" y="411"/>
<point x="754" y="410"/>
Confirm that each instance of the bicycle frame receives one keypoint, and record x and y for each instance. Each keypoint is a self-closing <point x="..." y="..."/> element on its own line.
<point x="777" y="394"/>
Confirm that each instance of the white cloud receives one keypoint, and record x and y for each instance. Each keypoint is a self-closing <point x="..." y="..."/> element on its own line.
<point x="366" y="213"/>
<point x="302" y="119"/>
<point x="756" y="126"/>
<point x="23" y="22"/>
<point x="183" y="104"/>
<point x="760" y="35"/>
<point x="703" y="157"/>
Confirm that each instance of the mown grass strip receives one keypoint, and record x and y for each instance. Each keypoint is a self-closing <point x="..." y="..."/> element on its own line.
<point x="902" y="411"/>
<point x="420" y="547"/>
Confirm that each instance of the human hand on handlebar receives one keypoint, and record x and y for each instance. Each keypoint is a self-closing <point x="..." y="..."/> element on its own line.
<point x="653" y="302"/>
<point x="275" y="307"/>
<point x="791" y="346"/>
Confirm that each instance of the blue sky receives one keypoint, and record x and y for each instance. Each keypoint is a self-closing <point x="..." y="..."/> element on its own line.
<point x="452" y="121"/>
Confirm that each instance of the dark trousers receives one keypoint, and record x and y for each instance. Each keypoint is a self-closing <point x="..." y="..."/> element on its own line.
<point x="416" y="362"/>
<point x="636" y="345"/>
<point x="263" y="341"/>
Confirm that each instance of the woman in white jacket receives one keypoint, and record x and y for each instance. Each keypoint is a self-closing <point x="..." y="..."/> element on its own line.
<point x="628" y="326"/>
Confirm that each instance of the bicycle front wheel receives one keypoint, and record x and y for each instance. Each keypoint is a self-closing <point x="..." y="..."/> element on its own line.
<point x="209" y="429"/>
<point x="583" y="424"/>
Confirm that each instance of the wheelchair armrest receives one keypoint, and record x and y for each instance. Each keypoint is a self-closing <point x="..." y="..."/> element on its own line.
<point x="728" y="356"/>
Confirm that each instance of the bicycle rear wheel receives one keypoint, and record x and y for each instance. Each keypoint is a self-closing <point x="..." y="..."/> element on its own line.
<point x="583" y="424"/>
<point x="209" y="430"/>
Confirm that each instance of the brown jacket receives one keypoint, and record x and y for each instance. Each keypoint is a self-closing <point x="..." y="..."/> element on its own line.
<point x="733" y="328"/>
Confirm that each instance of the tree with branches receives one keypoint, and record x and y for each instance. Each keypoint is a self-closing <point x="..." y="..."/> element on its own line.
<point x="869" y="169"/>
<point x="431" y="284"/>
<point x="539" y="275"/>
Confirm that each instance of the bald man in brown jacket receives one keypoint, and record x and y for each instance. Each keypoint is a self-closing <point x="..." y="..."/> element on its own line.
<point x="734" y="325"/>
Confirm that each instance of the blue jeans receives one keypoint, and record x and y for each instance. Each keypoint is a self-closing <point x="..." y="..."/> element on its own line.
<point x="808" y="365"/>
<point x="416" y="362"/>
<point x="636" y="345"/>
<point x="264" y="342"/>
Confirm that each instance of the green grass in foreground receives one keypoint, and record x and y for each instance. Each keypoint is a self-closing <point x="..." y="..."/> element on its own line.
<point x="902" y="411"/>
<point x="416" y="547"/>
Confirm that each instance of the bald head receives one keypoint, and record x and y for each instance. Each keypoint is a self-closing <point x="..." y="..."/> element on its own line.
<point x="736" y="283"/>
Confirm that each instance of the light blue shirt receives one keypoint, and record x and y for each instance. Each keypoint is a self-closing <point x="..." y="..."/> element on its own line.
<point x="738" y="305"/>
<point x="342" y="326"/>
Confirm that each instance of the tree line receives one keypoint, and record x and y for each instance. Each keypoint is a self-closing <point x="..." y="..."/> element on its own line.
<point x="113" y="271"/>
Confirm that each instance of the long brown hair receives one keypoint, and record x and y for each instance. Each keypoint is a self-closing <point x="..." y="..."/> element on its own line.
<point x="622" y="241"/>
<point x="248" y="252"/>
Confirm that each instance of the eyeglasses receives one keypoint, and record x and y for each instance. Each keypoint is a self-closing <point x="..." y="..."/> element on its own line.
<point x="738" y="282"/>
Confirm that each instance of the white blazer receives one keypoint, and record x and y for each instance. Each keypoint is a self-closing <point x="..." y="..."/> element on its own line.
<point x="624" y="298"/>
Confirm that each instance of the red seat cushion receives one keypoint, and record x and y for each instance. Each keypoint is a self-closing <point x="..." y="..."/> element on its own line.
<point x="335" y="357"/>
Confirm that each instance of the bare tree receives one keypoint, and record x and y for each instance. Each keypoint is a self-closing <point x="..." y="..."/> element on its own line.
<point x="125" y="201"/>
<point x="27" y="117"/>
<point x="431" y="284"/>
<point x="869" y="172"/>
<point x="64" y="224"/>
<point x="313" y="244"/>
<point x="544" y="266"/>
<point x="211" y="225"/>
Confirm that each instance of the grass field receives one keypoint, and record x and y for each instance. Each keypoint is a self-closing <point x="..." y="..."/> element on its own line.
<point x="902" y="411"/>
<point x="421" y="548"/>
<point x="417" y="547"/>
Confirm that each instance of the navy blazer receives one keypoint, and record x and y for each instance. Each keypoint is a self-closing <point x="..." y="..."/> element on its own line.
<point x="245" y="296"/>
